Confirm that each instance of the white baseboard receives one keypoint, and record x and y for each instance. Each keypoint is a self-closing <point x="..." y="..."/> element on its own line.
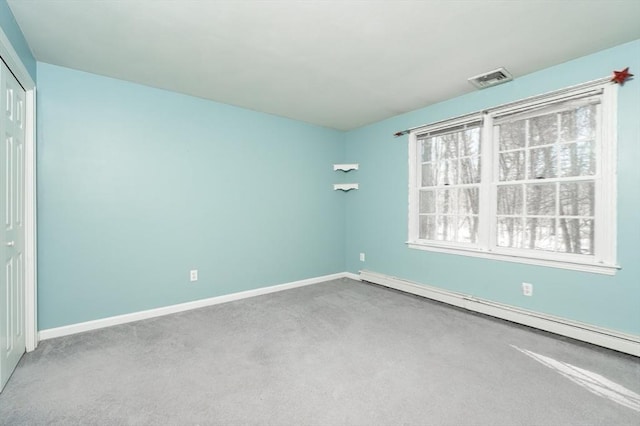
<point x="611" y="339"/>
<point x="352" y="276"/>
<point x="172" y="309"/>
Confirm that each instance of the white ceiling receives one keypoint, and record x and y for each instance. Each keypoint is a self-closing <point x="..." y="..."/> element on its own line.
<point x="339" y="64"/>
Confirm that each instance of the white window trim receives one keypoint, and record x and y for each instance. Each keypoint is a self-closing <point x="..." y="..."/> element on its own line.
<point x="606" y="207"/>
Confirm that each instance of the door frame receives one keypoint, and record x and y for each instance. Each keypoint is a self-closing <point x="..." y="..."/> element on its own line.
<point x="13" y="61"/>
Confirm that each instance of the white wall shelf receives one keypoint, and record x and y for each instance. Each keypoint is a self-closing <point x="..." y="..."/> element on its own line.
<point x="344" y="186"/>
<point x="345" y="167"/>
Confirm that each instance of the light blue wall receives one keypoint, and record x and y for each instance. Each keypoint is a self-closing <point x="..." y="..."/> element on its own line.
<point x="377" y="213"/>
<point x="15" y="36"/>
<point x="136" y="186"/>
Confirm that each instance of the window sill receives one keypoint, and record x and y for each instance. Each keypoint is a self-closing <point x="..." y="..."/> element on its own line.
<point x="595" y="268"/>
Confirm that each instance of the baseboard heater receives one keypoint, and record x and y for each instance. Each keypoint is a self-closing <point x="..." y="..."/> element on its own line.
<point x="621" y="342"/>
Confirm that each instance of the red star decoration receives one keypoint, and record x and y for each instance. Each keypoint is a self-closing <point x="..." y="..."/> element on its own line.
<point x="621" y="76"/>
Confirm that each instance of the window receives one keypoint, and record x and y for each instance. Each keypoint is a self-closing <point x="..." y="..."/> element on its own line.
<point x="531" y="182"/>
<point x="449" y="190"/>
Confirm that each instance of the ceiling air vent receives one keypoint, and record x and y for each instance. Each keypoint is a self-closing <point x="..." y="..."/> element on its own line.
<point x="491" y="78"/>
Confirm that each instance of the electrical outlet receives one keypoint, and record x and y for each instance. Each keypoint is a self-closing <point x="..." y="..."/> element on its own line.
<point x="193" y="275"/>
<point x="527" y="289"/>
<point x="361" y="257"/>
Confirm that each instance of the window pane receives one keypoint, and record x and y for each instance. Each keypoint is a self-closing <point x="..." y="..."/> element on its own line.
<point x="427" y="202"/>
<point x="468" y="200"/>
<point x="429" y="150"/>
<point x="428" y="174"/>
<point x="427" y="229"/>
<point x="447" y="172"/>
<point x="446" y="228"/>
<point x="447" y="200"/>
<point x="576" y="236"/>
<point x="470" y="142"/>
<point x="542" y="163"/>
<point x="470" y="170"/>
<point x="577" y="159"/>
<point x="449" y="144"/>
<point x="579" y="124"/>
<point x="512" y="135"/>
<point x="510" y="199"/>
<point x="510" y="232"/>
<point x="467" y="229"/>
<point x="577" y="199"/>
<point x="512" y="166"/>
<point x="540" y="234"/>
<point x="543" y="130"/>
<point x="541" y="199"/>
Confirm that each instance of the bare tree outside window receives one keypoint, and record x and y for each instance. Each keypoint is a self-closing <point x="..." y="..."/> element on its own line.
<point x="449" y="193"/>
<point x="532" y="181"/>
<point x="546" y="194"/>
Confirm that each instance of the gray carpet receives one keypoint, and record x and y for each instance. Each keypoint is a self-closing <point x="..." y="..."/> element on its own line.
<point x="336" y="353"/>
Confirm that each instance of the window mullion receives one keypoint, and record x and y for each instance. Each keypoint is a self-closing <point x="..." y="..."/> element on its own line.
<point x="488" y="164"/>
<point x="556" y="223"/>
<point x="415" y="182"/>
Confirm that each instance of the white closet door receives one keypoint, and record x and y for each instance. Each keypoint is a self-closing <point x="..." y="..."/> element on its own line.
<point x="12" y="284"/>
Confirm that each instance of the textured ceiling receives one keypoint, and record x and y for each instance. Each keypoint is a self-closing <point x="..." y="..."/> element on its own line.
<point x="339" y="64"/>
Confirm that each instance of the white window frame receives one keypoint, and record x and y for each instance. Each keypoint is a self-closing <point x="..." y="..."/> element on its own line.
<point x="604" y="260"/>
